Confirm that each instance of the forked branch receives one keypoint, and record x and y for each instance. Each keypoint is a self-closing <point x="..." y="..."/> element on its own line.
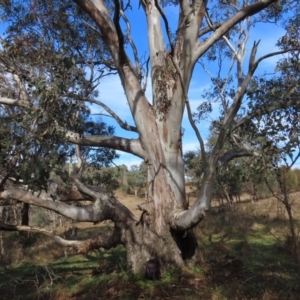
<point x="226" y="26"/>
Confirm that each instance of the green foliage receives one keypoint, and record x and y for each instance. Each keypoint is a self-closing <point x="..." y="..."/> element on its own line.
<point x="137" y="176"/>
<point x="40" y="218"/>
<point x="50" y="72"/>
<point x="278" y="131"/>
<point x="97" y="157"/>
<point x="193" y="170"/>
<point x="297" y="173"/>
<point x="105" y="178"/>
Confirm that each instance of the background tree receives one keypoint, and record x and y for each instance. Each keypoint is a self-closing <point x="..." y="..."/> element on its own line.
<point x="283" y="145"/>
<point x="137" y="177"/>
<point x="86" y="34"/>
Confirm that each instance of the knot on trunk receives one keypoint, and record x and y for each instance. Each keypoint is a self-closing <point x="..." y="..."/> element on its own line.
<point x="145" y="217"/>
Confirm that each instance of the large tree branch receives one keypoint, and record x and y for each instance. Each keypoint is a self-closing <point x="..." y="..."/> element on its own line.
<point x="107" y="240"/>
<point x="167" y="27"/>
<point x="132" y="146"/>
<point x="99" y="13"/>
<point x="185" y="220"/>
<point x="17" y="102"/>
<point x="188" y="219"/>
<point x="226" y="26"/>
<point x="104" y="207"/>
<point x="43" y="200"/>
<point x="122" y="124"/>
<point x="113" y="38"/>
<point x="58" y="239"/>
<point x="155" y="36"/>
<point x="229" y="155"/>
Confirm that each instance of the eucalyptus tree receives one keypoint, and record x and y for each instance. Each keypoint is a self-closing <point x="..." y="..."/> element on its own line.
<point x="98" y="33"/>
<point x="282" y="126"/>
<point x="137" y="177"/>
<point x="49" y="75"/>
<point x="44" y="71"/>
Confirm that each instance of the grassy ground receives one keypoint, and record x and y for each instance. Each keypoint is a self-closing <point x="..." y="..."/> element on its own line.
<point x="245" y="253"/>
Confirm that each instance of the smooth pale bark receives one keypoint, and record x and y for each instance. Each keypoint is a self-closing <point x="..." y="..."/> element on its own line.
<point x="132" y="146"/>
<point x="16" y="102"/>
<point x="104" y="206"/>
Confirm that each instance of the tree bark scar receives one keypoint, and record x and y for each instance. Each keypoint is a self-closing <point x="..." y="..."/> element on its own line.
<point x="165" y="131"/>
<point x="201" y="12"/>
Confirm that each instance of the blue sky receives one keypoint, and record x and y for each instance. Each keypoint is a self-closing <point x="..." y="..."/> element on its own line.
<point x="111" y="93"/>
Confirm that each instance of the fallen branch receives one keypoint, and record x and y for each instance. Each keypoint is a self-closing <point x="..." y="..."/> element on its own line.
<point x="106" y="240"/>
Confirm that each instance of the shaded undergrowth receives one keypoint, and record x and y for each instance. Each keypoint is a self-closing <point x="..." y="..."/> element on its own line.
<point x="245" y="258"/>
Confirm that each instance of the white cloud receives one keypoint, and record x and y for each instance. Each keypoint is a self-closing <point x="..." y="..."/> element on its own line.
<point x="190" y="145"/>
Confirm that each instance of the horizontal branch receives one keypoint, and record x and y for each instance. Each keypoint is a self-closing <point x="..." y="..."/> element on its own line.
<point x="58" y="239"/>
<point x="106" y="240"/>
<point x="131" y="146"/>
<point x="226" y="157"/>
<point x="85" y="213"/>
<point x="276" y="53"/>
<point x="104" y="207"/>
<point x="16" y="102"/>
